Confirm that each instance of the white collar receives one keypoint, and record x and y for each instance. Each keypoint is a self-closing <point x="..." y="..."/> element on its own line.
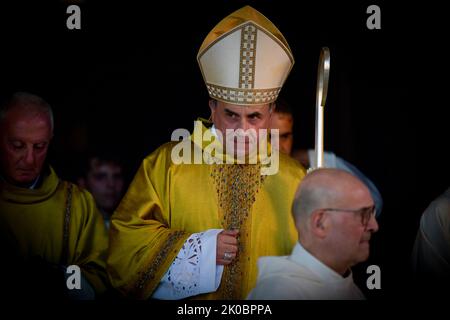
<point x="302" y="257"/>
<point x="33" y="185"/>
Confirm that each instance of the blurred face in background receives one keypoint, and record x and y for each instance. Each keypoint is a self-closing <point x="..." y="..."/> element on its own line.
<point x="105" y="181"/>
<point x="284" y="123"/>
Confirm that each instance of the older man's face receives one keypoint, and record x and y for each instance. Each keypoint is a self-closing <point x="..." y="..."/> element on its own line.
<point x="23" y="145"/>
<point x="349" y="236"/>
<point x="249" y="119"/>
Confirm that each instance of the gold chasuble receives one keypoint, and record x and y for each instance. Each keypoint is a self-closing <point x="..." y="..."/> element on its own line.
<point x="167" y="202"/>
<point x="56" y="222"/>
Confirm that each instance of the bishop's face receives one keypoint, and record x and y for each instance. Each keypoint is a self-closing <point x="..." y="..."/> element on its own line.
<point x="240" y="125"/>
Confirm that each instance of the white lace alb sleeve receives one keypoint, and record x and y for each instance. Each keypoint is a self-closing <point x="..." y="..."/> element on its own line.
<point x="194" y="271"/>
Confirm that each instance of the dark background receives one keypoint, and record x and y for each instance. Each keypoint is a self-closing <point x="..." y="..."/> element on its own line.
<point x="129" y="77"/>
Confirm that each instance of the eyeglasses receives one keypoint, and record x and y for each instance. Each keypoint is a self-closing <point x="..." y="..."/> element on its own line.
<point x="366" y="213"/>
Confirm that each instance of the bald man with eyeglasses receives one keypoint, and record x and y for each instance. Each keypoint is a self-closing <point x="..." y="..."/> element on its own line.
<point x="335" y="218"/>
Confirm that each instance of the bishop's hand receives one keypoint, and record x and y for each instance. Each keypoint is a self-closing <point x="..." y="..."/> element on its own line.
<point x="227" y="247"/>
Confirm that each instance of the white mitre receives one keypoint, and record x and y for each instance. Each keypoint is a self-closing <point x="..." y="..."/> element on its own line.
<point x="245" y="59"/>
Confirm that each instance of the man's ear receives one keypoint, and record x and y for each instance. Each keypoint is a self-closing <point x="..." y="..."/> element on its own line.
<point x="213" y="106"/>
<point x="318" y="223"/>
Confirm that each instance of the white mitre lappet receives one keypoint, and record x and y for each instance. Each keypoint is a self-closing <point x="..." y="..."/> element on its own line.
<point x="245" y="59"/>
